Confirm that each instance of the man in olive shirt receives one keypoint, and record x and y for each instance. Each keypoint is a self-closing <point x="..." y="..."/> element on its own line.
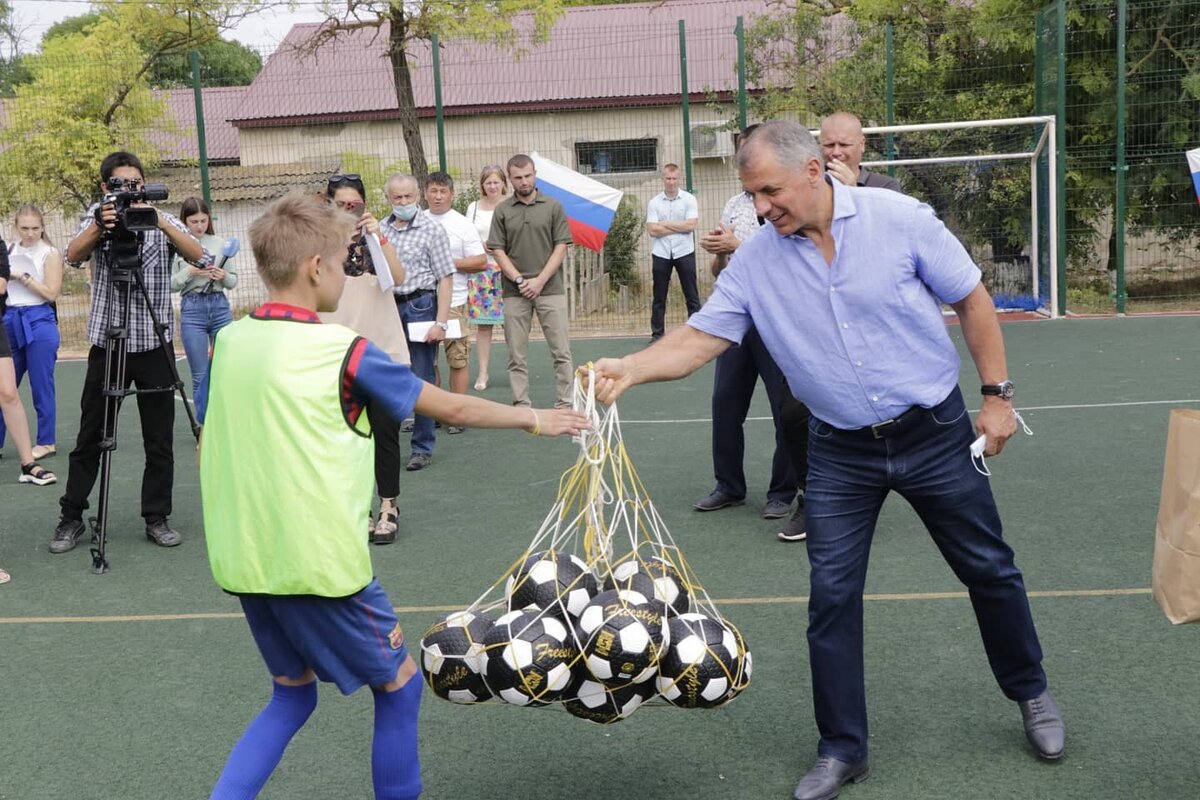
<point x="529" y="239"/>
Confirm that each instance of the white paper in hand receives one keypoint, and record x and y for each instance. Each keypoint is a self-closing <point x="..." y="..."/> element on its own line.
<point x="382" y="271"/>
<point x="418" y="330"/>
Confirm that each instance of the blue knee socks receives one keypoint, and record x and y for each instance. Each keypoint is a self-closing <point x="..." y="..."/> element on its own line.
<point x="395" y="767"/>
<point x="261" y="747"/>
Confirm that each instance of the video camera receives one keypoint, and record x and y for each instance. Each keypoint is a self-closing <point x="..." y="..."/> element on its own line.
<point x="123" y="193"/>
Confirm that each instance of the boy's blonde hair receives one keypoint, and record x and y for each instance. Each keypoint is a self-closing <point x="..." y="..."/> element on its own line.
<point x="292" y="230"/>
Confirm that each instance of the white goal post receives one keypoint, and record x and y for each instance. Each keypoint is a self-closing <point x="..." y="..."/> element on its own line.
<point x="1044" y="144"/>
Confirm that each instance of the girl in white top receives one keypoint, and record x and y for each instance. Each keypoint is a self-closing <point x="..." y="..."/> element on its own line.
<point x="31" y="328"/>
<point x="485" y="301"/>
<point x="203" y="307"/>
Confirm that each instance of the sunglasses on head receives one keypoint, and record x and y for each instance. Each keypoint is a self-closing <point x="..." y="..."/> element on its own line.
<point x="349" y="177"/>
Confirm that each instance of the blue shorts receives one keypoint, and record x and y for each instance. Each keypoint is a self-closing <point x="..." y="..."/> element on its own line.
<point x="350" y="641"/>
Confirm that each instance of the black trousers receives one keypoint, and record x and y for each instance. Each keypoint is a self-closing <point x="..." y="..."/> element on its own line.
<point x="149" y="370"/>
<point x="661" y="270"/>
<point x="793" y="424"/>
<point x="737" y="372"/>
<point x="387" y="451"/>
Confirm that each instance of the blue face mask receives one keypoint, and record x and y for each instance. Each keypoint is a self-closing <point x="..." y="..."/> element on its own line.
<point x="406" y="212"/>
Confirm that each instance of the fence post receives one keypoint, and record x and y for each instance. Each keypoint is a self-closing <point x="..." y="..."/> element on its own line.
<point x="687" y="117"/>
<point x="1060" y="145"/>
<point x="891" y="95"/>
<point x="740" y="32"/>
<point x="201" y="142"/>
<point x="437" y="102"/>
<point x="1119" y="205"/>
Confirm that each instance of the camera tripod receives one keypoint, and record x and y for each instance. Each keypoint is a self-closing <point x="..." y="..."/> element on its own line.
<point x="124" y="253"/>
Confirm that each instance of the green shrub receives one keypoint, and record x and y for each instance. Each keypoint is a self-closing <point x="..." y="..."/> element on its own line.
<point x="620" y="247"/>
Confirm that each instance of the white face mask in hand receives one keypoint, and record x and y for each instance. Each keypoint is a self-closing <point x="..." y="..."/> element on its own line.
<point x="979" y="445"/>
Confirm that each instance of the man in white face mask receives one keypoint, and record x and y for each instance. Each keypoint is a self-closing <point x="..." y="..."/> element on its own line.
<point x="424" y="249"/>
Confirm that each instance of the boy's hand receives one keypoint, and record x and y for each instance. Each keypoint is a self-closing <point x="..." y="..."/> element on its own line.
<point x="557" y="421"/>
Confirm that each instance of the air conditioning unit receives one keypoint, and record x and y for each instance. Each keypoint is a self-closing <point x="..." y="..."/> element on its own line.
<point x="710" y="140"/>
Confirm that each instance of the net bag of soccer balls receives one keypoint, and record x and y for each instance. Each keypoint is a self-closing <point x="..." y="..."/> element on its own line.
<point x="600" y="614"/>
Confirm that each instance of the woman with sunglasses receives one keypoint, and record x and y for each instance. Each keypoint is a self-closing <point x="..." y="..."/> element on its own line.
<point x="485" y="303"/>
<point x="367" y="308"/>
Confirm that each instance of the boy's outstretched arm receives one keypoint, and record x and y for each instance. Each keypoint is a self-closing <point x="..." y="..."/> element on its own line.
<point x="475" y="412"/>
<point x="376" y="379"/>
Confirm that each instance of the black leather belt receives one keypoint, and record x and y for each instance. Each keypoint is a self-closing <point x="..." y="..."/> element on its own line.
<point x="404" y="298"/>
<point x="890" y="427"/>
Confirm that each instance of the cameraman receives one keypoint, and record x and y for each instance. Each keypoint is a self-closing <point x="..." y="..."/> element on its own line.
<point x="147" y="364"/>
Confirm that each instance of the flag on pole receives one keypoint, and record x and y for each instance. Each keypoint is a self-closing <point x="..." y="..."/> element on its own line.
<point x="1193" y="157"/>
<point x="590" y="204"/>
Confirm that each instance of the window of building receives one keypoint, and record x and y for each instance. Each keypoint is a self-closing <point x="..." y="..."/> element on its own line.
<point x="622" y="155"/>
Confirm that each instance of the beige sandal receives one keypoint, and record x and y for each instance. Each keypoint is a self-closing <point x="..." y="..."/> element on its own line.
<point x="386" y="526"/>
<point x="41" y="451"/>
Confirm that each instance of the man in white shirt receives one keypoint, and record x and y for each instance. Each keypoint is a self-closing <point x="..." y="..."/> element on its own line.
<point x="671" y="218"/>
<point x="466" y="250"/>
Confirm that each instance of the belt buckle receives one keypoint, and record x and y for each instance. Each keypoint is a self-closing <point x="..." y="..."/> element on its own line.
<point x="879" y="429"/>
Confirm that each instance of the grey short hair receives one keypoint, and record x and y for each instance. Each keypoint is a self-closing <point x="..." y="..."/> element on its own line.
<point x="792" y="144"/>
<point x="401" y="176"/>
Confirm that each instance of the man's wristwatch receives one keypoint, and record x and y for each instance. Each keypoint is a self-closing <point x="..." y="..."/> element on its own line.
<point x="1004" y="390"/>
<point x="520" y="279"/>
<point x="445" y="326"/>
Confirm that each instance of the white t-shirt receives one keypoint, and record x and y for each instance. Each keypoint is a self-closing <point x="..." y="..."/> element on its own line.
<point x="33" y="261"/>
<point x="464" y="243"/>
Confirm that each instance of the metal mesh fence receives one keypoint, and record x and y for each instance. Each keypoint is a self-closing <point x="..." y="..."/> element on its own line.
<point x="604" y="95"/>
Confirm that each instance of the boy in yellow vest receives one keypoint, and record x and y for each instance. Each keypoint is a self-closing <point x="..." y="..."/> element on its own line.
<point x="286" y="479"/>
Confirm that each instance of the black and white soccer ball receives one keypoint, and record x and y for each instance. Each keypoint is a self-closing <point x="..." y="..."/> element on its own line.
<point x="655" y="577"/>
<point x="559" y="583"/>
<point x="620" y="637"/>
<point x="602" y="705"/>
<point x="529" y="658"/>
<point x="452" y="657"/>
<point x="704" y="663"/>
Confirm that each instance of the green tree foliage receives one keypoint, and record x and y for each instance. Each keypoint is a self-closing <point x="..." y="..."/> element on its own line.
<point x="80" y="105"/>
<point x="12" y="69"/>
<point x="90" y="94"/>
<point x="409" y="21"/>
<point x="222" y="62"/>
<point x="620" y="246"/>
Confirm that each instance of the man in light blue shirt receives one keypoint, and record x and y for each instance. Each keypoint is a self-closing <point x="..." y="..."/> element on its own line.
<point x="846" y="292"/>
<point x="671" y="217"/>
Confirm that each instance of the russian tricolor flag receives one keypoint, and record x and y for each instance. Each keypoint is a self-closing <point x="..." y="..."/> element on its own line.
<point x="590" y="204"/>
<point x="1193" y="157"/>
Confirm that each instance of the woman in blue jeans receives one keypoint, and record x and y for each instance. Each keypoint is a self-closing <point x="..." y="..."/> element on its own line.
<point x="31" y="323"/>
<point x="203" y="308"/>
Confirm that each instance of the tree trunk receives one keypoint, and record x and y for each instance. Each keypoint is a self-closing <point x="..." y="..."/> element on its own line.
<point x="405" y="101"/>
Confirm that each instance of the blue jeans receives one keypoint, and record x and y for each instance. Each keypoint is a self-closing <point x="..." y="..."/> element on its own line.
<point x="928" y="463"/>
<point x="424" y="359"/>
<point x="33" y="336"/>
<point x="200" y="317"/>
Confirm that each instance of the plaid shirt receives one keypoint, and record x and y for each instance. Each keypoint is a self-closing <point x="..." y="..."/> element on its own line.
<point x="424" y="250"/>
<point x="156" y="277"/>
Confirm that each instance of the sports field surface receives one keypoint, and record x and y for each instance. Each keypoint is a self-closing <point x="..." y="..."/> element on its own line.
<point x="135" y="684"/>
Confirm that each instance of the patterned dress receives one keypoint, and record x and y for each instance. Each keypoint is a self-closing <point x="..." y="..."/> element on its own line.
<point x="485" y="304"/>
